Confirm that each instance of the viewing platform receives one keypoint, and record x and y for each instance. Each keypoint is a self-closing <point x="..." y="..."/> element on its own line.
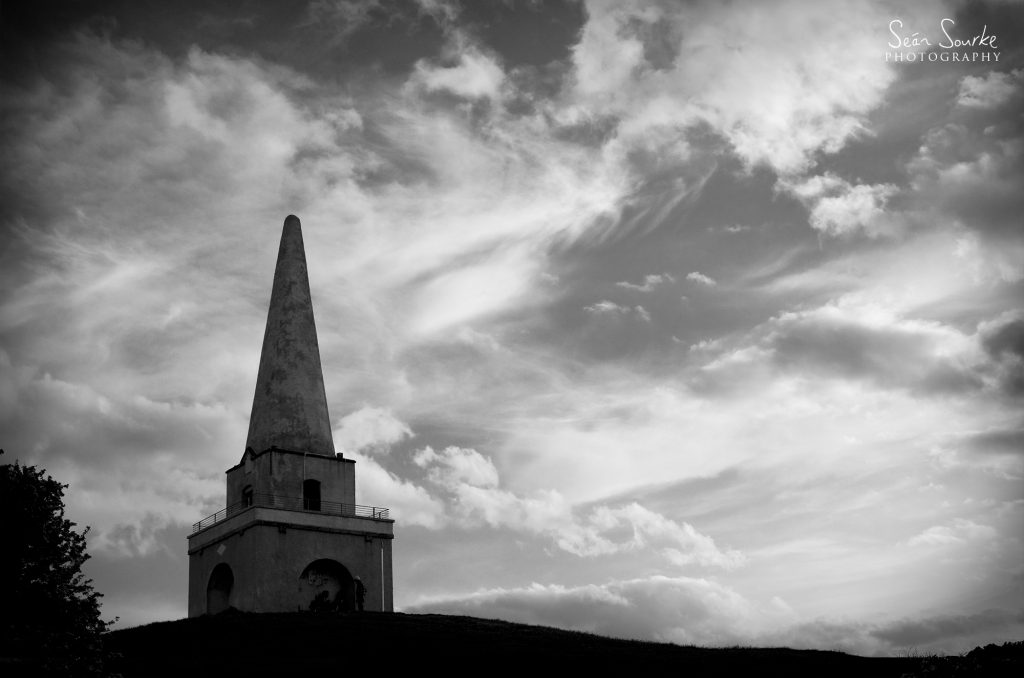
<point x="292" y="504"/>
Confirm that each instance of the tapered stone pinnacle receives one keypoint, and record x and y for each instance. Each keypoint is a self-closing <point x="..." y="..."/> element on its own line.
<point x="289" y="409"/>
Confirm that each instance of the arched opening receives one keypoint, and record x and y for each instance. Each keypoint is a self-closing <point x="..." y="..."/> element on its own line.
<point x="218" y="591"/>
<point x="326" y="585"/>
<point x="311" y="495"/>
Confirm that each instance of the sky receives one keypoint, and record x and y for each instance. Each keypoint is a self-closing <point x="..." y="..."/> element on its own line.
<point x="695" y="322"/>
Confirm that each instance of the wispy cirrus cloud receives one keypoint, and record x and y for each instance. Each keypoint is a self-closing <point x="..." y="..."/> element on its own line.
<point x="649" y="284"/>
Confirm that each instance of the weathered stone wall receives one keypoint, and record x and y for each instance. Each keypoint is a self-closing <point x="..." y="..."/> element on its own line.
<point x="267" y="557"/>
<point x="282" y="473"/>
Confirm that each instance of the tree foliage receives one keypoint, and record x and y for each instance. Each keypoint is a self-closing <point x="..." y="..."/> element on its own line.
<point x="50" y="616"/>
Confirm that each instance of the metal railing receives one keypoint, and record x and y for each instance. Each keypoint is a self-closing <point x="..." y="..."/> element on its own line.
<point x="332" y="508"/>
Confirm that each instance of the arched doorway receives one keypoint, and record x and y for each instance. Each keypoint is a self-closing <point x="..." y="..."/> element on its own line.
<point x="218" y="591"/>
<point x="326" y="585"/>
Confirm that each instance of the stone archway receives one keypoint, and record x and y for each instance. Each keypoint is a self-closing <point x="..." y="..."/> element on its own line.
<point x="326" y="585"/>
<point x="218" y="591"/>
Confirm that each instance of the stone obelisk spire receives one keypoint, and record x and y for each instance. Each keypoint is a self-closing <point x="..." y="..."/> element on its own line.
<point x="289" y="409"/>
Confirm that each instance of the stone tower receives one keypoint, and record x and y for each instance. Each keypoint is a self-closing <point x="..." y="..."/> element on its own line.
<point x="291" y="536"/>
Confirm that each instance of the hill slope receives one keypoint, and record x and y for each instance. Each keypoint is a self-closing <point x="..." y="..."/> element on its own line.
<point x="285" y="644"/>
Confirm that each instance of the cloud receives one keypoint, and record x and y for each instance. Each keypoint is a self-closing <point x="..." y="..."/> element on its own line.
<point x="1003" y="339"/>
<point x="864" y="337"/>
<point x="839" y="208"/>
<point x="690" y="611"/>
<point x="611" y="310"/>
<point x="699" y="277"/>
<point x="991" y="90"/>
<point x="91" y="436"/>
<point x="339" y="19"/>
<point x="649" y="284"/>
<point x="455" y="465"/>
<point x="408" y="503"/>
<point x="1008" y="441"/>
<point x="473" y="76"/>
<point x="439" y="203"/>
<point x="148" y="585"/>
<point x="846" y="341"/>
<point x="661" y="65"/>
<point x="932" y="630"/>
<point x="669" y="609"/>
<point x="134" y="540"/>
<point x="371" y="429"/>
<point x="966" y="172"/>
<point x="469" y="483"/>
<point x="681" y="543"/>
<point x="169" y="228"/>
<point x="958" y="532"/>
<point x="606" y="307"/>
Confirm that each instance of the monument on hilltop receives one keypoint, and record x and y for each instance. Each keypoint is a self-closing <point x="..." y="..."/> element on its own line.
<point x="291" y="536"/>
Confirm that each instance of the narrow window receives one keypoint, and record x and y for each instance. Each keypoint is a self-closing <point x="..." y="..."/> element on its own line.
<point x="247" y="496"/>
<point x="311" y="495"/>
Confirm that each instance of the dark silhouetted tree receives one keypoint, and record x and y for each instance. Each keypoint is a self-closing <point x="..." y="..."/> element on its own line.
<point x="49" y="611"/>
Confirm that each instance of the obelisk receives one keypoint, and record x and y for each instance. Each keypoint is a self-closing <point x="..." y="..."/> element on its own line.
<point x="289" y="409"/>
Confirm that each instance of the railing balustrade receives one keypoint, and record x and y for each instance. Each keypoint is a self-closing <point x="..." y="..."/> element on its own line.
<point x="332" y="508"/>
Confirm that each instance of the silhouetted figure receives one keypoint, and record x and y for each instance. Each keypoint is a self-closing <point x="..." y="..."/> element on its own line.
<point x="360" y="594"/>
<point x="320" y="603"/>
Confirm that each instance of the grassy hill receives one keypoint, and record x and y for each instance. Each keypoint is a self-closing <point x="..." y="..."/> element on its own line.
<point x="287" y="644"/>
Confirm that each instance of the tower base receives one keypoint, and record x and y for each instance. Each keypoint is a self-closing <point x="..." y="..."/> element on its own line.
<point x="264" y="559"/>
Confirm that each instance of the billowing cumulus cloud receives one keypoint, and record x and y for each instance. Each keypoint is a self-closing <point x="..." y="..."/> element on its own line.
<point x="990" y="90"/>
<point x="454" y="465"/>
<point x="473" y="76"/>
<point x="839" y="208"/>
<point x="470" y="482"/>
<point x="411" y="503"/>
<point x="778" y="98"/>
<point x="370" y="428"/>
<point x="698" y="277"/>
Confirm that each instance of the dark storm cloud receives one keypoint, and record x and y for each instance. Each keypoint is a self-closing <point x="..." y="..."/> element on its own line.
<point x="50" y="418"/>
<point x="971" y="164"/>
<point x="328" y="38"/>
<point x="1006" y="339"/>
<point x="153" y="582"/>
<point x="931" y="630"/>
<point x="1003" y="339"/>
<point x="944" y="633"/>
<point x="1010" y="441"/>
<point x="909" y="356"/>
<point x="839" y="342"/>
